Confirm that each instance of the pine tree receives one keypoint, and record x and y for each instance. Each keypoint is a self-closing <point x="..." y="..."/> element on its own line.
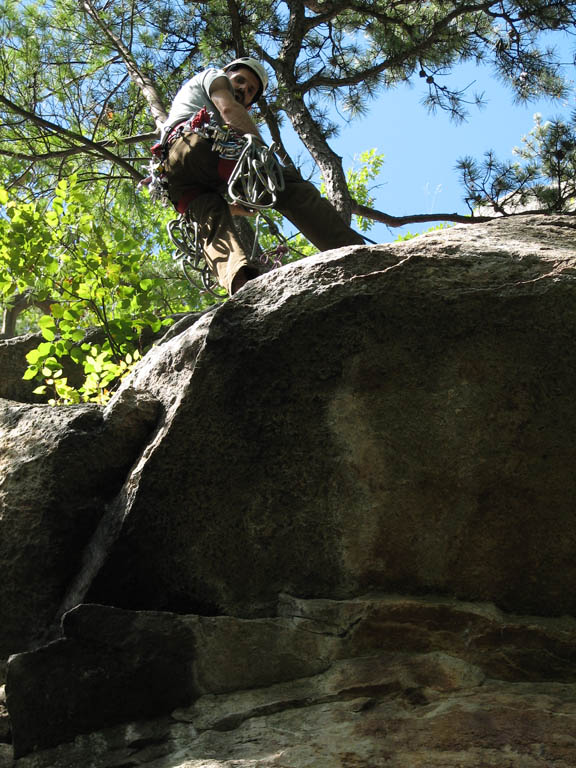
<point x="86" y="84"/>
<point x="543" y="179"/>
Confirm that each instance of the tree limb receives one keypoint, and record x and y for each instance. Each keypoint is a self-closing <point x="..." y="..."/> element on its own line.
<point x="144" y="83"/>
<point x="15" y="306"/>
<point x="77" y="150"/>
<point x="271" y="120"/>
<point x="416" y="50"/>
<point x="329" y="163"/>
<point x="236" y="28"/>
<point x="87" y="145"/>
<point x="418" y="218"/>
<point x="294" y="35"/>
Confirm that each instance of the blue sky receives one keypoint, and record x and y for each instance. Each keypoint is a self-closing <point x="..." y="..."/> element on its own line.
<point x="422" y="149"/>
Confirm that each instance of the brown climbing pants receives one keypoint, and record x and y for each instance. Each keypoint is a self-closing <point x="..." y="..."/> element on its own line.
<point x="195" y="172"/>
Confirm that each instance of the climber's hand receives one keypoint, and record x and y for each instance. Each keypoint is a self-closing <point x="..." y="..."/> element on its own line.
<point x="239" y="210"/>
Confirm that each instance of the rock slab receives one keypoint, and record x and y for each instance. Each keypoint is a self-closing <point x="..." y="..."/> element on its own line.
<point x="59" y="468"/>
<point x="369" y="682"/>
<point x="393" y="422"/>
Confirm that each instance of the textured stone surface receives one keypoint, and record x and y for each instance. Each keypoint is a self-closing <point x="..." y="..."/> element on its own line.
<point x="6" y="757"/>
<point x="371" y="716"/>
<point x="393" y="422"/>
<point x="5" y="730"/>
<point x="58" y="469"/>
<point x="108" y="670"/>
<point x="397" y="418"/>
<point x="114" y="666"/>
<point x="12" y="366"/>
<point x="427" y="712"/>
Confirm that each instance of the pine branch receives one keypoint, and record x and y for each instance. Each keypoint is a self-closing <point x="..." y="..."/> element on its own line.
<point x="144" y="83"/>
<point x="416" y="50"/>
<point x="82" y="143"/>
<point x="417" y="218"/>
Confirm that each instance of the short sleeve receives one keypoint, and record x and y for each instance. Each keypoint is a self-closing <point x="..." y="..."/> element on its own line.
<point x="208" y="78"/>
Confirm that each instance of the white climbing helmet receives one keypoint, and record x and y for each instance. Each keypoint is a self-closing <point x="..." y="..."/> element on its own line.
<point x="256" y="67"/>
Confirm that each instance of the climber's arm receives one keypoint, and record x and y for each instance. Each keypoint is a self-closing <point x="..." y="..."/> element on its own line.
<point x="232" y="112"/>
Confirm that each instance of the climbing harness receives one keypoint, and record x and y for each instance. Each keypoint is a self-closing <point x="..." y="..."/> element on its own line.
<point x="255" y="179"/>
<point x="254" y="183"/>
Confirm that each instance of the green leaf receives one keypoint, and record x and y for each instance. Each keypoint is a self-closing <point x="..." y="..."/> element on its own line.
<point x="84" y="291"/>
<point x="47" y="321"/>
<point x="77" y="355"/>
<point x="33" y="356"/>
<point x="45" y="349"/>
<point x="30" y="373"/>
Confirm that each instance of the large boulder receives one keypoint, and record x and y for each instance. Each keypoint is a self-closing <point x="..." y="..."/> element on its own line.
<point x="13" y="363"/>
<point x="398" y="417"/>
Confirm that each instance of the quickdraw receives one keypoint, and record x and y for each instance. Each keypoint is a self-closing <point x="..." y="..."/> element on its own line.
<point x="257" y="176"/>
<point x="183" y="232"/>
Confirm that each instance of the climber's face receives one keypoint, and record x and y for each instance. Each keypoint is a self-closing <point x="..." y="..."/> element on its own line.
<point x="245" y="84"/>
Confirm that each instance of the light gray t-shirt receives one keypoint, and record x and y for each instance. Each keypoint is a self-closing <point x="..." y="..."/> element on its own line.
<point x="194" y="95"/>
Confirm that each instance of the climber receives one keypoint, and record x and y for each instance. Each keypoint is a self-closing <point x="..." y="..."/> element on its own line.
<point x="196" y="177"/>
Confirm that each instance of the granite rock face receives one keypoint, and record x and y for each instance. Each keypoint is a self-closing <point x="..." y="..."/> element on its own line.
<point x="394" y="418"/>
<point x="13" y="364"/>
<point x="329" y="524"/>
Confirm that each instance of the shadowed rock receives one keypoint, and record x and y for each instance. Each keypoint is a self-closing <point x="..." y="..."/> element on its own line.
<point x="340" y="680"/>
<point x="58" y="469"/>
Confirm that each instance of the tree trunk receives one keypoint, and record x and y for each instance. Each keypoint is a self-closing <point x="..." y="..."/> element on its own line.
<point x="328" y="161"/>
<point x="17" y="304"/>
